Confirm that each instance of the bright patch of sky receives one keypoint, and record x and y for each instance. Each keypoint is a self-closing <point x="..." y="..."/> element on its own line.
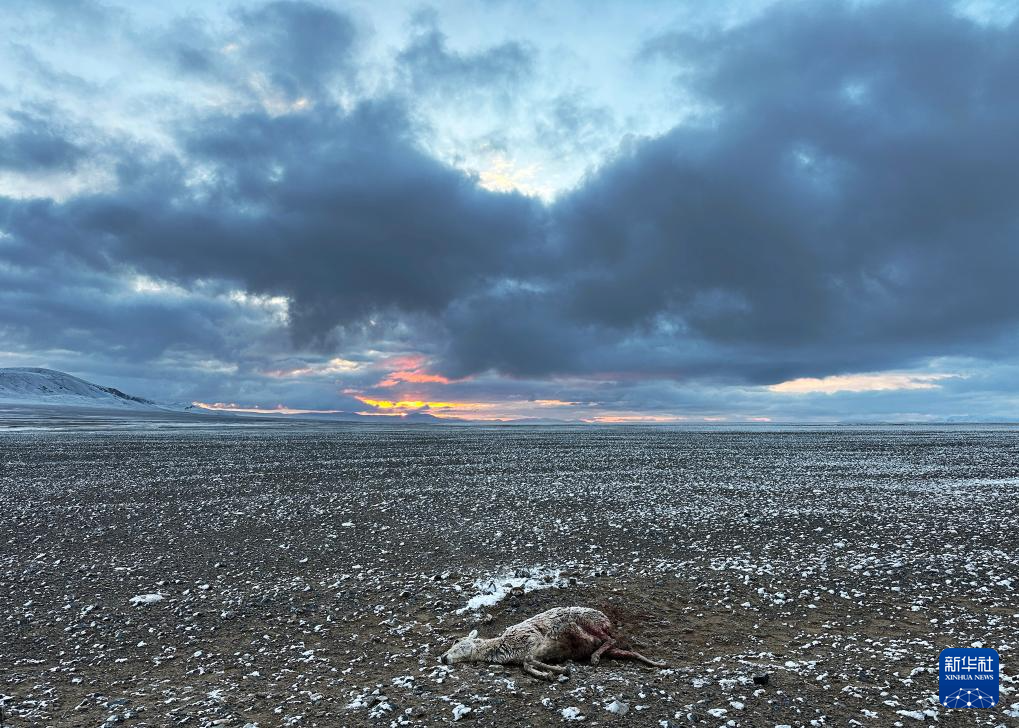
<point x="582" y="89"/>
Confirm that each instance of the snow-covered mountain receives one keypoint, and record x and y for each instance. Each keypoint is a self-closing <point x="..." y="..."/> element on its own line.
<point x="31" y="386"/>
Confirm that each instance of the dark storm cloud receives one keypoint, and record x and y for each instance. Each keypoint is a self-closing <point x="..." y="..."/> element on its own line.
<point x="57" y="304"/>
<point x="514" y="331"/>
<point x="189" y="47"/>
<point x="432" y="68"/>
<point x="298" y="50"/>
<point x="36" y="143"/>
<point x="300" y="45"/>
<point x="341" y="213"/>
<point x="849" y="204"/>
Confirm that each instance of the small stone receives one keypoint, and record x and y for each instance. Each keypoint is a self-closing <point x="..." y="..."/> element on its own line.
<point x="761" y="678"/>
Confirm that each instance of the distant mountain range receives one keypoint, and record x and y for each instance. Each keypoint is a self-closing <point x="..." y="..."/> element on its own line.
<point x="48" y="390"/>
<point x="48" y="387"/>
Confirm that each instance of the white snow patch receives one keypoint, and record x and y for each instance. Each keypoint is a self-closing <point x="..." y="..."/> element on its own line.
<point x="617" y="707"/>
<point x="914" y="714"/>
<point x="572" y="714"/>
<point x="493" y="589"/>
<point x="142" y="599"/>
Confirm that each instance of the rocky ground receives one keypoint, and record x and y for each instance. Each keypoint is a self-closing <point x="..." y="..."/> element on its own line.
<point x="309" y="576"/>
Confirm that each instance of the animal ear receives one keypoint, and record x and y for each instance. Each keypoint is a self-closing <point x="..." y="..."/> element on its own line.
<point x="473" y="634"/>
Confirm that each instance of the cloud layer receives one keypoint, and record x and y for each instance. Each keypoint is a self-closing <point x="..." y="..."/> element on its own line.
<point x="835" y="197"/>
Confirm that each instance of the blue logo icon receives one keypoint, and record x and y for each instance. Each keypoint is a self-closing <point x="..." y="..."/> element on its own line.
<point x="968" y="677"/>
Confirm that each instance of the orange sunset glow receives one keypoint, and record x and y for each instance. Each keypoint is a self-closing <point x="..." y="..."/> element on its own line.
<point x="414" y="377"/>
<point x="405" y="404"/>
<point x="453" y="410"/>
<point x="408" y="369"/>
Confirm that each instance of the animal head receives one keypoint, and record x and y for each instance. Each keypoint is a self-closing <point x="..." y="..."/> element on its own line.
<point x="462" y="651"/>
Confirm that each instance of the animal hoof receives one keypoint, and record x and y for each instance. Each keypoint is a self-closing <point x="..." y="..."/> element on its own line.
<point x="595" y="660"/>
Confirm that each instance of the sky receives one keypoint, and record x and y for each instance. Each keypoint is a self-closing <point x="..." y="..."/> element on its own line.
<point x="735" y="211"/>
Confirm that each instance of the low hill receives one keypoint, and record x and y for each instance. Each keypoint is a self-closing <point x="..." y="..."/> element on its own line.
<point x="35" y="386"/>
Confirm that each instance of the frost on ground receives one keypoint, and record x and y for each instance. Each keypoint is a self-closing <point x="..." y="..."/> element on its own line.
<point x="310" y="575"/>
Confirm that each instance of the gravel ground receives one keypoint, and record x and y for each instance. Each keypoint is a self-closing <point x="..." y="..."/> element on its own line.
<point x="309" y="576"/>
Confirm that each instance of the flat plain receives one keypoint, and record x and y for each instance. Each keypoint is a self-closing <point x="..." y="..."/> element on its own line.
<point x="310" y="575"/>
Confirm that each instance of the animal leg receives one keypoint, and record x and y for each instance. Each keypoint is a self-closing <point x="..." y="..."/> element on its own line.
<point x="551" y="668"/>
<point x="606" y="645"/>
<point x="630" y="654"/>
<point x="532" y="670"/>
